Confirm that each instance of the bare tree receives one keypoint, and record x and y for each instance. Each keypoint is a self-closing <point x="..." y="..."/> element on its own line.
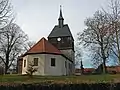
<point x="11" y="44"/>
<point x="6" y="13"/>
<point x="78" y="55"/>
<point x="28" y="45"/>
<point x="96" y="37"/>
<point x="114" y="17"/>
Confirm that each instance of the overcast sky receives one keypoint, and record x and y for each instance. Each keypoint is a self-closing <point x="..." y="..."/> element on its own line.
<point x="38" y="17"/>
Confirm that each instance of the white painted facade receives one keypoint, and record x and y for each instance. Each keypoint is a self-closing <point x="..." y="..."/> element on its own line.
<point x="62" y="65"/>
<point x="71" y="55"/>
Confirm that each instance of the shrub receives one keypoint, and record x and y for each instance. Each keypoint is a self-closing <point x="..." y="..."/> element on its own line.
<point x="30" y="70"/>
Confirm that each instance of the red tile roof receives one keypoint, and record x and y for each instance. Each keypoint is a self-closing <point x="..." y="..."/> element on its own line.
<point x="43" y="46"/>
<point x="77" y="70"/>
<point x="89" y="69"/>
<point x="114" y="68"/>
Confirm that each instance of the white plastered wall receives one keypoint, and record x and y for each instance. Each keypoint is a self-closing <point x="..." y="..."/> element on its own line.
<point x="58" y="69"/>
<point x="44" y="64"/>
<point x="71" y="55"/>
<point x="40" y="67"/>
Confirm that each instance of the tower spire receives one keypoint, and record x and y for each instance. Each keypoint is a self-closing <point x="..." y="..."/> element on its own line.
<point x="60" y="19"/>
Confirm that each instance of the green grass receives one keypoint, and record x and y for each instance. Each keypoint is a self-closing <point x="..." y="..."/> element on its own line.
<point x="60" y="79"/>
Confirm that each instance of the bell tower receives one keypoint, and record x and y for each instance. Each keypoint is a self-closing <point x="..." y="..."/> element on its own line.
<point x="61" y="37"/>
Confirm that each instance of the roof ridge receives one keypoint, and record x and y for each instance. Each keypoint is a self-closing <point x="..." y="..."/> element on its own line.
<point x="44" y="46"/>
<point x="34" y="45"/>
<point x="53" y="46"/>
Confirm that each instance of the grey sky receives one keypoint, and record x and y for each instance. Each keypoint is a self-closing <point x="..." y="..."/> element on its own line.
<point x="38" y="17"/>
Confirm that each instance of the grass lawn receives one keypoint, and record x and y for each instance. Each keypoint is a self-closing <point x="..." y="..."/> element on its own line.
<point x="60" y="79"/>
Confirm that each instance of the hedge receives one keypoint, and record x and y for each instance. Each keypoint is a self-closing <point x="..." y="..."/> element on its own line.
<point x="82" y="86"/>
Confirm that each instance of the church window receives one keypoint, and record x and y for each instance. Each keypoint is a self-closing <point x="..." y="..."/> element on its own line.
<point x="52" y="61"/>
<point x="35" y="61"/>
<point x="24" y="63"/>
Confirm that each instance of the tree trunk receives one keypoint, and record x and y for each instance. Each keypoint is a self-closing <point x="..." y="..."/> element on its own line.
<point x="103" y="57"/>
<point x="104" y="66"/>
<point x="6" y="68"/>
<point x="117" y="41"/>
<point x="7" y="63"/>
<point x="118" y="47"/>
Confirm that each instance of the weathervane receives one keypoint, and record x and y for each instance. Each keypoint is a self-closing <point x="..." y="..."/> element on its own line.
<point x="60" y="6"/>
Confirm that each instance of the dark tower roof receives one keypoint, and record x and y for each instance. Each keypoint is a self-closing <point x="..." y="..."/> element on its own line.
<point x="61" y="29"/>
<point x="59" y="32"/>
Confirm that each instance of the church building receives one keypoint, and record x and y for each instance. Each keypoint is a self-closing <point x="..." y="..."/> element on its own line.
<point x="54" y="55"/>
